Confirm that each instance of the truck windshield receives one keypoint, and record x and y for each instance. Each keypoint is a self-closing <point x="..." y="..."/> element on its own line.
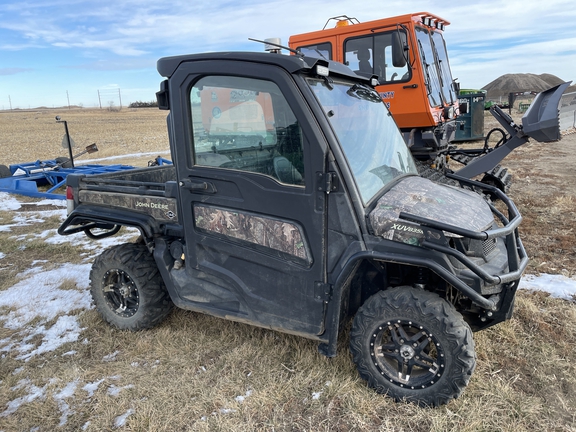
<point x="431" y="74"/>
<point x="444" y="66"/>
<point x="368" y="135"/>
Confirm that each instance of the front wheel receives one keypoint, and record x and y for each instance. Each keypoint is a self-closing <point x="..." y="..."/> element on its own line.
<point x="127" y="288"/>
<point x="413" y="345"/>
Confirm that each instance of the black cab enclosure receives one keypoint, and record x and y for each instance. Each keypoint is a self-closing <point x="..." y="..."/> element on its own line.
<point x="293" y="204"/>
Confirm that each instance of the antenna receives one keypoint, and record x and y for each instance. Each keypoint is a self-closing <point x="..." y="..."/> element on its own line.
<point x="275" y="42"/>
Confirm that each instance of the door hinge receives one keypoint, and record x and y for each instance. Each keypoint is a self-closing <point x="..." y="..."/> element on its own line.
<point x="327" y="182"/>
<point x="322" y="291"/>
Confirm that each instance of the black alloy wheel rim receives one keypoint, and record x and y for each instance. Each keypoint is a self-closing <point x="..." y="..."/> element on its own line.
<point x="120" y="293"/>
<point x="407" y="355"/>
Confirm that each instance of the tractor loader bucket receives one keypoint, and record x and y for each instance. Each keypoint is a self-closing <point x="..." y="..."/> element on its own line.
<point x="541" y="122"/>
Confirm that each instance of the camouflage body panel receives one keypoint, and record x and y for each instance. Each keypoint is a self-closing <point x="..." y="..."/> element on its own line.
<point x="421" y="197"/>
<point x="271" y="233"/>
<point x="162" y="209"/>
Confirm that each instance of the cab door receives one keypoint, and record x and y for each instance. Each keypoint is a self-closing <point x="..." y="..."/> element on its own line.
<point x="255" y="230"/>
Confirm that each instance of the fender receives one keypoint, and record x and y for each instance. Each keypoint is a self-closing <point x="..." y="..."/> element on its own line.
<point x="86" y="217"/>
<point x="334" y="308"/>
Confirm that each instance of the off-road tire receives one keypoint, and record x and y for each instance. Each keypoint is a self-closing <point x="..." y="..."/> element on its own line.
<point x="5" y="171"/>
<point x="393" y="322"/>
<point x="127" y="288"/>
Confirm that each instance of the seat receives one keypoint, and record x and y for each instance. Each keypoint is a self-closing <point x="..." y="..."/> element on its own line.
<point x="364" y="65"/>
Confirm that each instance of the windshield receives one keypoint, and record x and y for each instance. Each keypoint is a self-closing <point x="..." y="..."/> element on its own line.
<point x="368" y="135"/>
<point x="431" y="77"/>
<point x="445" y="73"/>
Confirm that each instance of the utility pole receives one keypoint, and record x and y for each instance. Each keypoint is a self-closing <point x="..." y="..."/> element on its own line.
<point x="68" y="97"/>
<point x="99" y="100"/>
<point x="120" y="98"/>
<point x="10" y="100"/>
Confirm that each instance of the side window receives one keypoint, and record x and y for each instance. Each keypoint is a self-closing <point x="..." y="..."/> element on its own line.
<point x="359" y="54"/>
<point x="321" y="50"/>
<point x="381" y="54"/>
<point x="246" y="124"/>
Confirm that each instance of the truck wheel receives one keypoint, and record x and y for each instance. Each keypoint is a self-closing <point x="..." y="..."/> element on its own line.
<point x="5" y="171"/>
<point x="127" y="288"/>
<point x="413" y="345"/>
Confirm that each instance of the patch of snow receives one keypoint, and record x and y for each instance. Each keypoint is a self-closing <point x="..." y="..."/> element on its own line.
<point x="121" y="420"/>
<point x="115" y="391"/>
<point x="66" y="392"/>
<point x="52" y="202"/>
<point x="557" y="285"/>
<point x="69" y="353"/>
<point x="66" y="329"/>
<point x="34" y="393"/>
<point x="2" y="255"/>
<point x="226" y="411"/>
<point x="29" y="218"/>
<point x="39" y="296"/>
<point x="316" y="395"/>
<point x="8" y="202"/>
<point x="241" y="399"/>
<point x="90" y="388"/>
<point x="95" y="247"/>
<point x="110" y="357"/>
<point x="156" y="153"/>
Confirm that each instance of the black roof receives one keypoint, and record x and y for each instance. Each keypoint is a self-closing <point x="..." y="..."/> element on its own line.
<point x="292" y="63"/>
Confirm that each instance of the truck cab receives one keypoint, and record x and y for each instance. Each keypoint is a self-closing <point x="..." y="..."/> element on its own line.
<point x="294" y="204"/>
<point x="407" y="54"/>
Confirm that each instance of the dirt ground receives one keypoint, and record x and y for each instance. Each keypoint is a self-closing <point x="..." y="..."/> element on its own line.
<point x="543" y="185"/>
<point x="544" y="190"/>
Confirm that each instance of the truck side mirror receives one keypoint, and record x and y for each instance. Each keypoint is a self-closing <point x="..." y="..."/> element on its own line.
<point x="399" y="49"/>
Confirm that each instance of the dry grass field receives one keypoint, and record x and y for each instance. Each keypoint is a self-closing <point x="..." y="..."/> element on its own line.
<point x="27" y="136"/>
<point x="198" y="373"/>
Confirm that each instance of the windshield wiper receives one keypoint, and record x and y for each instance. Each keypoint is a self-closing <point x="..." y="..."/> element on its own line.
<point x="441" y="75"/>
<point x="426" y="65"/>
<point x="430" y="77"/>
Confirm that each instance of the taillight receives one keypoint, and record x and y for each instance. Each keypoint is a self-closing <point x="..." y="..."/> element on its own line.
<point x="69" y="199"/>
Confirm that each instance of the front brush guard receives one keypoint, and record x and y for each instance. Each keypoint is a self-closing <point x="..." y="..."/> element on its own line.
<point x="517" y="256"/>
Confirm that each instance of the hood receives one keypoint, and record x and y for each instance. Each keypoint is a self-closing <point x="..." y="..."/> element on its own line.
<point x="422" y="197"/>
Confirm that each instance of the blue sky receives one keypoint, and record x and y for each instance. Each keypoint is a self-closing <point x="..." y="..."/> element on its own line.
<point x="52" y="51"/>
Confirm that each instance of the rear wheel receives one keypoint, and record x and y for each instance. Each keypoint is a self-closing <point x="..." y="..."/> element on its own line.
<point x="413" y="345"/>
<point x="127" y="288"/>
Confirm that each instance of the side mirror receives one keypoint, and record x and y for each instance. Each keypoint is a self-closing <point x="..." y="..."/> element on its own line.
<point x="399" y="49"/>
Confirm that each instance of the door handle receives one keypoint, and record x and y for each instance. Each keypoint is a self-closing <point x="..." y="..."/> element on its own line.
<point x="197" y="186"/>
